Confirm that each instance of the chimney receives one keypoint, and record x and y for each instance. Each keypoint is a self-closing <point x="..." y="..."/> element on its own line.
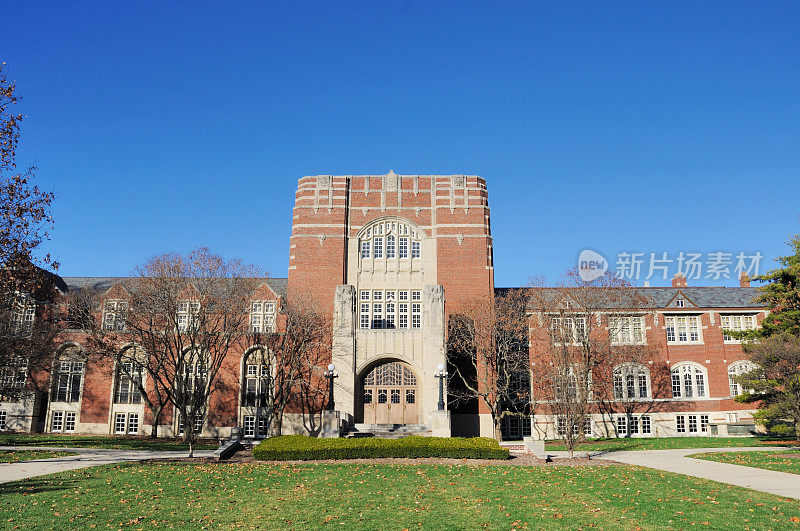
<point x="679" y="281"/>
<point x="744" y="280"/>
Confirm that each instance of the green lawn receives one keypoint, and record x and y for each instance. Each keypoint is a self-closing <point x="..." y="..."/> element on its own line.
<point x="100" y="441"/>
<point x="357" y="496"/>
<point x="15" y="456"/>
<point x="668" y="443"/>
<point x="784" y="461"/>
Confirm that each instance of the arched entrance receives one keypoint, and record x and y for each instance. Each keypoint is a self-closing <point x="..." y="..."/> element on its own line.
<point x="390" y="394"/>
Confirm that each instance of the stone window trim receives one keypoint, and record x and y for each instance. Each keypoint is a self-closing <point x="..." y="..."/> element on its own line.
<point x="689" y="381"/>
<point x="390" y="239"/>
<point x="627" y="330"/>
<point x="631" y="381"/>
<point x="735" y="369"/>
<point x="737" y="322"/>
<point x="262" y="316"/>
<point x="684" y="328"/>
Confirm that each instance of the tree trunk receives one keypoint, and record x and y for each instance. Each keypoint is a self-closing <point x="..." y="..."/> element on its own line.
<point x="156" y="415"/>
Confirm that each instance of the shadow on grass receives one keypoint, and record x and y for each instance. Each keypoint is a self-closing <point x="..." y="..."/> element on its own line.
<point x="36" y="485"/>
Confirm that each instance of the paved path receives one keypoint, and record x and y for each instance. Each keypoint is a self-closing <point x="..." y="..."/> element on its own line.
<point x="87" y="457"/>
<point x="780" y="483"/>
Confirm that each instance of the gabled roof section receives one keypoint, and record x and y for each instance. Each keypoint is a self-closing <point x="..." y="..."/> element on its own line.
<point x="544" y="299"/>
<point x="103" y="284"/>
<point x="687" y="302"/>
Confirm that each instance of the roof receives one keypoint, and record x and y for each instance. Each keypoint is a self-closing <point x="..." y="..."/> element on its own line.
<point x="103" y="284"/>
<point x="698" y="297"/>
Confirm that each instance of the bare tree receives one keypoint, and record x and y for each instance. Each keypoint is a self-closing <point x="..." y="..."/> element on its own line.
<point x="488" y="355"/>
<point x="573" y="346"/>
<point x="299" y="350"/>
<point x="187" y="314"/>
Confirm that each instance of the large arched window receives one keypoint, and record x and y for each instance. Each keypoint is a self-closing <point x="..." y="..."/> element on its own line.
<point x="689" y="381"/>
<point x="257" y="393"/>
<point x="129" y="377"/>
<point x="737" y="369"/>
<point x="68" y="375"/>
<point x="389" y="240"/>
<point x="631" y="382"/>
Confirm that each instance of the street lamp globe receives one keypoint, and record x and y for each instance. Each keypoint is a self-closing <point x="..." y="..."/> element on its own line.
<point x="441" y="367"/>
<point x="331" y="367"/>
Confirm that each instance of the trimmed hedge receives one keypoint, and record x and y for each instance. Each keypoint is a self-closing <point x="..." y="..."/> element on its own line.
<point x="303" y="448"/>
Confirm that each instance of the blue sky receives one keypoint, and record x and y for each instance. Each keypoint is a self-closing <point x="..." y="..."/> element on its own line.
<point x="641" y="126"/>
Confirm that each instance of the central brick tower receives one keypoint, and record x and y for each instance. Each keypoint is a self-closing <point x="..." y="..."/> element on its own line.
<point x="382" y="253"/>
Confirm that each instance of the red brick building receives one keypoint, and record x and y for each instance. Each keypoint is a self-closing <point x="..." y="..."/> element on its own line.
<point x="390" y="258"/>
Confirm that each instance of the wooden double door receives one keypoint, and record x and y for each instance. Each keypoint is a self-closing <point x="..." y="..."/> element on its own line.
<point x="390" y="394"/>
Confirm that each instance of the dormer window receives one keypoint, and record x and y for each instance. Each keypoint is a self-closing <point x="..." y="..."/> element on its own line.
<point x="262" y="316"/>
<point x="114" y="314"/>
<point x="680" y="303"/>
<point x="188" y="312"/>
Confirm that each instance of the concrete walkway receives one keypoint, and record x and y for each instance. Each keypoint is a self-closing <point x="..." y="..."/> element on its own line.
<point x="780" y="483"/>
<point x="87" y="457"/>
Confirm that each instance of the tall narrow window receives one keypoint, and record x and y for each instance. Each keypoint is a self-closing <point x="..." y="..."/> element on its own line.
<point x="402" y="251"/>
<point x="415" y="249"/>
<point x="378" y="248"/>
<point x="67" y="381"/>
<point x="390" y="246"/>
<point x="364" y="254"/>
<point x="416" y="315"/>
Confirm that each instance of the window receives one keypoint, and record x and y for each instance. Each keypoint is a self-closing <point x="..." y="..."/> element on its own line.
<point x="577" y="428"/>
<point x="67" y="381"/>
<point x="379" y="310"/>
<point x="515" y="427"/>
<point x="197" y="425"/>
<point x="23" y="314"/>
<point x="736" y="323"/>
<point x="683" y="329"/>
<point x="390" y="239"/>
<point x="3" y="419"/>
<point x="15" y="374"/>
<point x="626" y="330"/>
<point x="188" y="312"/>
<point x="257" y="380"/>
<point x="129" y="380"/>
<point x="692" y="422"/>
<point x="567" y="329"/>
<point x="262" y="316"/>
<point x="633" y="425"/>
<point x="688" y="381"/>
<point x="679" y="302"/>
<point x="390" y="246"/>
<point x="622" y="425"/>
<point x="119" y="423"/>
<point x="646" y="425"/>
<point x="114" y="315"/>
<point x="402" y="248"/>
<point x="631" y="382"/>
<point x="133" y="423"/>
<point x="57" y="421"/>
<point x="736" y="370"/>
<point x="249" y="426"/>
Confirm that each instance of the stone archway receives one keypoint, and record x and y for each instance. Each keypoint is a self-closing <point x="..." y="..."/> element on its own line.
<point x="390" y="394"/>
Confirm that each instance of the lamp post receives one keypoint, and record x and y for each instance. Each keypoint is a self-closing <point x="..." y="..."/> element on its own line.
<point x="441" y="374"/>
<point x="330" y="374"/>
